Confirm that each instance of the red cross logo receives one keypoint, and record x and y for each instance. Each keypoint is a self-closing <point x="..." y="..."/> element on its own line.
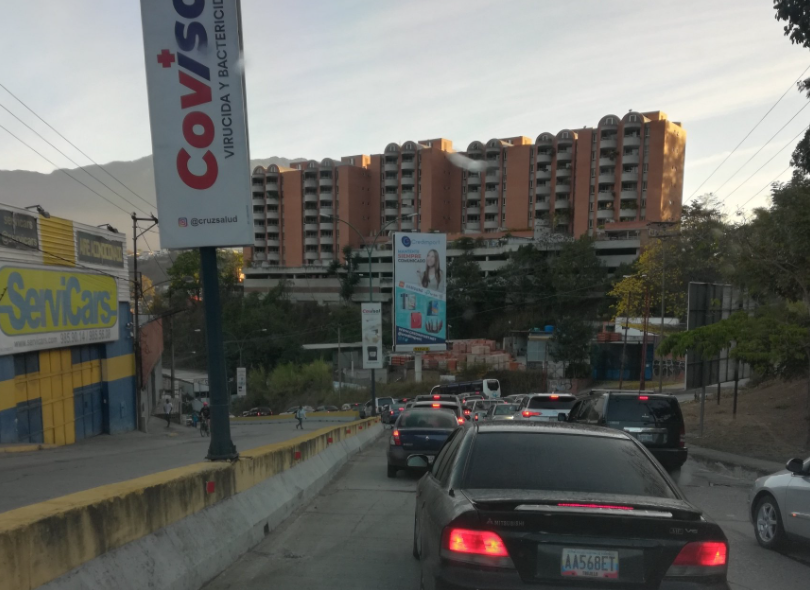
<point x="165" y="58"/>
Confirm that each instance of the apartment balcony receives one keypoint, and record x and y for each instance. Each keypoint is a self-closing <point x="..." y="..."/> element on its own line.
<point x="542" y="206"/>
<point x="408" y="164"/>
<point x="493" y="174"/>
<point x="391" y="211"/>
<point x="474" y="179"/>
<point x="473" y="226"/>
<point x="629" y="195"/>
<point x="563" y="173"/>
<point x="311" y="241"/>
<point x="630" y="158"/>
<point x="542" y="175"/>
<point x="473" y="211"/>
<point x="630" y="176"/>
<point x="543" y="158"/>
<point x="272" y="185"/>
<point x="311" y="255"/>
<point x="273" y="198"/>
<point x="273" y="256"/>
<point x="272" y="214"/>
<point x="603" y="161"/>
<point x="325" y="182"/>
<point x="259" y="242"/>
<point x="562" y="188"/>
<point x="491" y="208"/>
<point x="607" y="177"/>
<point x="631" y="140"/>
<point x="326" y="210"/>
<point x="493" y="224"/>
<point x="542" y="190"/>
<point x="325" y="194"/>
<point x="310" y="182"/>
<point x="392" y="182"/>
<point x="607" y="143"/>
<point x="605" y="214"/>
<point x="310" y="198"/>
<point x="407" y="194"/>
<point x="327" y="225"/>
<point x="564" y="155"/>
<point x="258" y="201"/>
<point x="310" y="227"/>
<point x="259" y="256"/>
<point x="407" y="177"/>
<point x="562" y="204"/>
<point x="406" y="224"/>
<point x="476" y="194"/>
<point x="408" y="210"/>
<point x="605" y="197"/>
<point x="273" y="241"/>
<point x="624" y="214"/>
<point x="326" y="240"/>
<point x="491" y="194"/>
<point x="391" y="166"/>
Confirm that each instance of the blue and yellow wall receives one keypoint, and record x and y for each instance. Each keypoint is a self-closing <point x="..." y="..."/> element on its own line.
<point x="62" y="395"/>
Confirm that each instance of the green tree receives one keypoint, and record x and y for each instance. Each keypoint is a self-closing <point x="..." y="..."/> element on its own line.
<point x="184" y="273"/>
<point x="571" y="343"/>
<point x="350" y="277"/>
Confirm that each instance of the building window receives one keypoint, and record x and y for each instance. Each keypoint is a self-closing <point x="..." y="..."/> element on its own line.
<point x="590" y="206"/>
<point x="633" y="119"/>
<point x="610" y="121"/>
<point x="644" y="184"/>
<point x="590" y="224"/>
<point x="593" y="172"/>
<point x="645" y="168"/>
<point x="646" y="131"/>
<point x="564" y="135"/>
<point x="646" y="150"/>
<point x="531" y="184"/>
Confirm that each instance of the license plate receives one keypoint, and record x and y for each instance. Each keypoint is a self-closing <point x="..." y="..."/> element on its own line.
<point x="646" y="438"/>
<point x="590" y="563"/>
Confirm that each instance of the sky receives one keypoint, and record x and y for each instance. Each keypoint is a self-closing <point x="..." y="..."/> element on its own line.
<point x="330" y="78"/>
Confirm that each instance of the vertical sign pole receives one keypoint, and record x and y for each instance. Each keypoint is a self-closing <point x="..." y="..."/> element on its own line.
<point x="221" y="448"/>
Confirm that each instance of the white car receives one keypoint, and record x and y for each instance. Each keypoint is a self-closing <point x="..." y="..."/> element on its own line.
<point x="545" y="407"/>
<point x="779" y="505"/>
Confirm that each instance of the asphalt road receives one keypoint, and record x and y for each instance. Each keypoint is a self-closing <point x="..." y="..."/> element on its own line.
<point x="356" y="535"/>
<point x="36" y="476"/>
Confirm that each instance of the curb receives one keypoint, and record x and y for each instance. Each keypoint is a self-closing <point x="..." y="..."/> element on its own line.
<point x="731" y="461"/>
<point x="26" y="448"/>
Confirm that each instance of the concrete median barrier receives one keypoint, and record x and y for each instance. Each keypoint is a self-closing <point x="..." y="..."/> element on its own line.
<point x="175" y="529"/>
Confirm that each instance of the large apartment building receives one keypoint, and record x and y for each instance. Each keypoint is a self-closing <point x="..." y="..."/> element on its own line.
<point x="615" y="177"/>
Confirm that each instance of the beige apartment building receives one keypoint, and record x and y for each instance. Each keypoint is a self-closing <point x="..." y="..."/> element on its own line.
<point x="610" y="179"/>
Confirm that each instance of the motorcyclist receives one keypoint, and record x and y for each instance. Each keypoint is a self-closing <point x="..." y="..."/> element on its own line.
<point x="205" y="414"/>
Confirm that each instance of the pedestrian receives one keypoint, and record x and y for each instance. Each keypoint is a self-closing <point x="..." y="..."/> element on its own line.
<point x="167" y="409"/>
<point x="300" y="414"/>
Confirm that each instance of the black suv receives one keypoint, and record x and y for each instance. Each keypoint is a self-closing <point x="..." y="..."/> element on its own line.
<point x="654" y="419"/>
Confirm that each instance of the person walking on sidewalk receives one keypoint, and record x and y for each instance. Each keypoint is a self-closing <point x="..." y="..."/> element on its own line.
<point x="300" y="414"/>
<point x="167" y="409"/>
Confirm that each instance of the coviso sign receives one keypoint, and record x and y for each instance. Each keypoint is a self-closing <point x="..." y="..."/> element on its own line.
<point x="44" y="308"/>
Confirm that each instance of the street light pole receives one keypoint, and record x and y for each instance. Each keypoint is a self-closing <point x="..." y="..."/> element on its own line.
<point x="661" y="237"/>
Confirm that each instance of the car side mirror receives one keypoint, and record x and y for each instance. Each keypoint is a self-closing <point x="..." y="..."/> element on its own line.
<point x="419" y="462"/>
<point x="795" y="466"/>
<point x="562" y="417"/>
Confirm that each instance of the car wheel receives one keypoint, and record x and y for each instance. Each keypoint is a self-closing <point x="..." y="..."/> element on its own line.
<point x="392" y="471"/>
<point x="417" y="549"/>
<point x="768" y="527"/>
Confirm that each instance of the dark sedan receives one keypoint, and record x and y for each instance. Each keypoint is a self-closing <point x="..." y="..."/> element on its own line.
<point x="553" y="505"/>
<point x="421" y="431"/>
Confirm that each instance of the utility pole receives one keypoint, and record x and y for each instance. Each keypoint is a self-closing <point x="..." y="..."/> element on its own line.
<point x="624" y="343"/>
<point x="340" y="371"/>
<point x="662" y="237"/>
<point x="143" y="420"/>
<point x="642" y="378"/>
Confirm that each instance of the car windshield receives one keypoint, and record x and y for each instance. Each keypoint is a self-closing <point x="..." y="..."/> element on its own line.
<point x="385" y="401"/>
<point x="502" y="409"/>
<point x="636" y="409"/>
<point x="562" y="463"/>
<point x="427" y="419"/>
<point x="563" y="402"/>
<point x="493" y="384"/>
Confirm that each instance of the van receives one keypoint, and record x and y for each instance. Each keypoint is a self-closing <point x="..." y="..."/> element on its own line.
<point x="490" y="388"/>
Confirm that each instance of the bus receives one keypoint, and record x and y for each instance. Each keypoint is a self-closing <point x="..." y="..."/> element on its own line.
<point x="489" y="388"/>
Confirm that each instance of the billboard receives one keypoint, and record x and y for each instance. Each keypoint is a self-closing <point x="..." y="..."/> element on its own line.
<point x="371" y="325"/>
<point x="43" y="308"/>
<point x="241" y="381"/>
<point x="420" y="287"/>
<point x="95" y="249"/>
<point x="197" y="113"/>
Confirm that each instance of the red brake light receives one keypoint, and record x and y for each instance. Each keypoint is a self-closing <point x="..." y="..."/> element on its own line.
<point x="644" y="398"/>
<point x="402" y="409"/>
<point x="597" y="506"/>
<point x="395" y="438"/>
<point x="555" y="396"/>
<point x="461" y="420"/>
<point x="467" y="412"/>
<point x="528" y="413"/>
<point x="435" y="397"/>
<point x="392" y="412"/>
<point x="476" y="542"/>
<point x="702" y="553"/>
<point x="435" y="405"/>
<point x="476" y="417"/>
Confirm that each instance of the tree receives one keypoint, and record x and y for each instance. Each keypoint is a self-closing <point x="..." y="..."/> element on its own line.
<point x="184" y="273"/>
<point x="797" y="17"/>
<point x="570" y="344"/>
<point x="350" y="277"/>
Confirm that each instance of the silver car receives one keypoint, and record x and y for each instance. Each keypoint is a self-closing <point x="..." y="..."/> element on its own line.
<point x="779" y="505"/>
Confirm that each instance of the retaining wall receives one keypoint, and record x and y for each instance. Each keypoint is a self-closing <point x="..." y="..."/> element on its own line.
<point x="175" y="529"/>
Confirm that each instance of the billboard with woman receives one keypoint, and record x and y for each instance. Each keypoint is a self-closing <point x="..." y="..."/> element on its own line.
<point x="420" y="287"/>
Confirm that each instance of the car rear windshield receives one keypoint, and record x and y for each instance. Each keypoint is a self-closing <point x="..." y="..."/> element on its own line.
<point x="385" y="401"/>
<point x="563" y="402"/>
<point x="501" y="409"/>
<point x="427" y="419"/>
<point x="634" y="409"/>
<point x="564" y="463"/>
<point x="493" y="384"/>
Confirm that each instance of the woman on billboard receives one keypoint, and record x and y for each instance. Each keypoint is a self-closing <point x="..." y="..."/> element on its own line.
<point x="431" y="277"/>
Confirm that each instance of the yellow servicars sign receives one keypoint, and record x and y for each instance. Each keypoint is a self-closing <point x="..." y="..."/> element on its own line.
<point x="39" y="301"/>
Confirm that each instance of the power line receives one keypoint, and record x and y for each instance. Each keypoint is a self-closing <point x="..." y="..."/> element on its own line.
<point x="749" y="133"/>
<point x="766" y="186"/>
<point x="806" y="104"/>
<point x="63" y="171"/>
<point x="110" y="174"/>
<point x="2" y="106"/>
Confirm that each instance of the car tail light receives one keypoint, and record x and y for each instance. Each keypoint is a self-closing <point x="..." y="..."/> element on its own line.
<point x="529" y="413"/>
<point x="682" y="437"/>
<point x="478" y="547"/>
<point x="644" y="398"/>
<point x="467" y="412"/>
<point x="435" y="405"/>
<point x="391" y="412"/>
<point x="700" y="558"/>
<point x="596" y="506"/>
<point x="395" y="441"/>
<point x="476" y="417"/>
<point x="436" y="397"/>
<point x="401" y="410"/>
<point x="555" y="397"/>
<point x="461" y="420"/>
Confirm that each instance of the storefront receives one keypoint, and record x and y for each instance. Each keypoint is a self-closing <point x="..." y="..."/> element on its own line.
<point x="67" y="369"/>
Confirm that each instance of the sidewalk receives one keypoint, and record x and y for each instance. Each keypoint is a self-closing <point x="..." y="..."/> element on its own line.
<point x="734" y="462"/>
<point x="35" y="476"/>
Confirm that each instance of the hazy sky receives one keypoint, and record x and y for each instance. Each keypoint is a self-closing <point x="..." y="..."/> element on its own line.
<point x="334" y="77"/>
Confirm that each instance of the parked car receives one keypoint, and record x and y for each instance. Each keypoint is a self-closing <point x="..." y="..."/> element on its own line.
<point x="591" y="508"/>
<point x="546" y="407"/>
<point x="262" y="411"/>
<point x="654" y="419"/>
<point x="351" y="406"/>
<point x="779" y="505"/>
<point x="501" y="412"/>
<point x="391" y="413"/>
<point x="382" y="402"/>
<point x="420" y="431"/>
<point x="326" y="409"/>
